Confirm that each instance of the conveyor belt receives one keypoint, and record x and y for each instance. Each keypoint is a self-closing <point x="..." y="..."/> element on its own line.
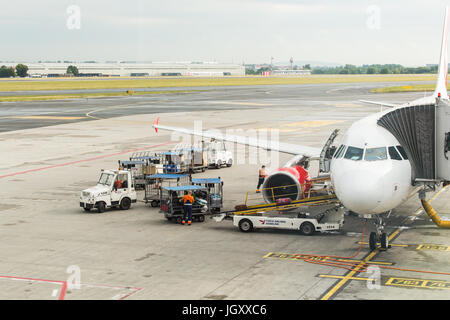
<point x="326" y="199"/>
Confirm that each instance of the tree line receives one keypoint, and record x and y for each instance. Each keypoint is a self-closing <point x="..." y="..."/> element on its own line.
<point x="374" y="69"/>
<point x="353" y="69"/>
<point x="21" y="70"/>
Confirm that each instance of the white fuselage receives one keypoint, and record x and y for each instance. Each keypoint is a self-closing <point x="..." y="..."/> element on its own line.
<point x="366" y="179"/>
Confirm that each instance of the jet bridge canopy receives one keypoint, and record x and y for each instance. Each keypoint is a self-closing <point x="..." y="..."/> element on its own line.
<point x="423" y="131"/>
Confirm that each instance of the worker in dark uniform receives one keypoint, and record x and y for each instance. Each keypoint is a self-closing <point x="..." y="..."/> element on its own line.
<point x="261" y="177"/>
<point x="188" y="201"/>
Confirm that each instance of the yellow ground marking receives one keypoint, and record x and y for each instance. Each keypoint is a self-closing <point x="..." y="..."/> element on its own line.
<point x="401" y="282"/>
<point x="435" y="247"/>
<point x="394" y="245"/>
<point x="341" y="277"/>
<point x="418" y="283"/>
<point x="48" y="117"/>
<point x="346" y="278"/>
<point x="290" y="256"/>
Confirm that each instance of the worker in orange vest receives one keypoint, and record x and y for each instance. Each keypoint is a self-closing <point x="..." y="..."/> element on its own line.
<point x="188" y="201"/>
<point x="261" y="177"/>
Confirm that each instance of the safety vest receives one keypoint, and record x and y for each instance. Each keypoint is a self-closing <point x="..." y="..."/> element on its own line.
<point x="188" y="200"/>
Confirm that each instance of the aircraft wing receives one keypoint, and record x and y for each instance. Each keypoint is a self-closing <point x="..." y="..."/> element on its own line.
<point x="378" y="103"/>
<point x="250" y="141"/>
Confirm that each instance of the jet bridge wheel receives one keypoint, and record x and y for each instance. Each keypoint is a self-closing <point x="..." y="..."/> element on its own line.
<point x="373" y="241"/>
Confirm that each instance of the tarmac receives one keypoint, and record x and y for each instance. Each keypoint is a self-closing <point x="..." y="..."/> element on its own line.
<point x="46" y="238"/>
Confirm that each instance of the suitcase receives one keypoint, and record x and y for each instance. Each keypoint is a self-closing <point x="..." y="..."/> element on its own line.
<point x="240" y="207"/>
<point x="283" y="201"/>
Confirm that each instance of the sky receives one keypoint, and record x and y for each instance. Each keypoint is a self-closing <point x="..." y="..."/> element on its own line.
<point x="230" y="31"/>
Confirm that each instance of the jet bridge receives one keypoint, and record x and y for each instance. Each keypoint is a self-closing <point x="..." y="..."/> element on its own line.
<point x="424" y="132"/>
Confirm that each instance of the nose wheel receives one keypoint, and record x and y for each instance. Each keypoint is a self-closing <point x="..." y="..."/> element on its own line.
<point x="374" y="238"/>
<point x="379" y="235"/>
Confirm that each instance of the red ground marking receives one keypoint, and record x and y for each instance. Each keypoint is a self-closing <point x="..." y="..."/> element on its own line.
<point x="63" y="284"/>
<point x="83" y="160"/>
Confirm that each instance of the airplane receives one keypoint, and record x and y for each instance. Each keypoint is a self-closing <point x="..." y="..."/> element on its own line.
<point x="382" y="160"/>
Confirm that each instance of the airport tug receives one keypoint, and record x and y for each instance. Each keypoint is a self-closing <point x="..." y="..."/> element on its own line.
<point x="114" y="189"/>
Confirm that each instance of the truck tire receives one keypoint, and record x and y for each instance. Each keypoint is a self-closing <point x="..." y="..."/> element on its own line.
<point x="178" y="219"/>
<point x="125" y="204"/>
<point x="307" y="228"/>
<point x="245" y="225"/>
<point x="218" y="164"/>
<point x="154" y="203"/>
<point x="230" y="163"/>
<point x="201" y="218"/>
<point x="101" y="207"/>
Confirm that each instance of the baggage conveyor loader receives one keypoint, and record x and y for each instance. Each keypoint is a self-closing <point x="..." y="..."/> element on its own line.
<point x="248" y="218"/>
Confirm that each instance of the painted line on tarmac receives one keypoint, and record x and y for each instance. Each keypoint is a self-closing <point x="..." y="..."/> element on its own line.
<point x="64" y="287"/>
<point x="400" y="281"/>
<point x="300" y="257"/>
<point x="419" y="246"/>
<point x="83" y="160"/>
<point x="47" y="118"/>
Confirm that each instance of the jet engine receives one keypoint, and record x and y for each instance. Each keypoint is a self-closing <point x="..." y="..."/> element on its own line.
<point x="289" y="181"/>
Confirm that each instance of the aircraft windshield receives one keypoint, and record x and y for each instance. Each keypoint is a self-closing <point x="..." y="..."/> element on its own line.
<point x="354" y="153"/>
<point x="339" y="152"/>
<point x="106" y="179"/>
<point x="373" y="154"/>
<point x="402" y="152"/>
<point x="393" y="153"/>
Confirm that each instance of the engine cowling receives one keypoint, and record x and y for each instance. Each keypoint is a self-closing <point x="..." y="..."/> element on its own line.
<point x="286" y="182"/>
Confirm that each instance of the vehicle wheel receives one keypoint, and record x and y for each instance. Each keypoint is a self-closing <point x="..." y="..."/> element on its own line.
<point x="384" y="241"/>
<point x="219" y="164"/>
<point x="201" y="218"/>
<point x="101" y="207"/>
<point x="154" y="203"/>
<point x="373" y="241"/>
<point x="87" y="209"/>
<point x="245" y="225"/>
<point x="125" y="204"/>
<point x="230" y="163"/>
<point x="178" y="219"/>
<point x="307" y="228"/>
<point x="203" y="169"/>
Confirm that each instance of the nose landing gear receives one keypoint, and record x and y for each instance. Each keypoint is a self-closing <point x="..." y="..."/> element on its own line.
<point x="379" y="235"/>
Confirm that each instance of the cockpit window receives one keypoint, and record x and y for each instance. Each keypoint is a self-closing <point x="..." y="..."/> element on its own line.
<point x="373" y="154"/>
<point x="339" y="152"/>
<point x="354" y="153"/>
<point x="393" y="153"/>
<point x="402" y="152"/>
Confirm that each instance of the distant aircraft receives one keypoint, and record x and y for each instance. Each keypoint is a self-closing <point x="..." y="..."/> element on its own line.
<point x="383" y="158"/>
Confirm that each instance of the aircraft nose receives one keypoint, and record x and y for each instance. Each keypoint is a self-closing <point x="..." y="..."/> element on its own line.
<point x="359" y="191"/>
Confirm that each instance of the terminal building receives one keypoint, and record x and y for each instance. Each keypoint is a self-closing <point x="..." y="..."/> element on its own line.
<point x="131" y="69"/>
